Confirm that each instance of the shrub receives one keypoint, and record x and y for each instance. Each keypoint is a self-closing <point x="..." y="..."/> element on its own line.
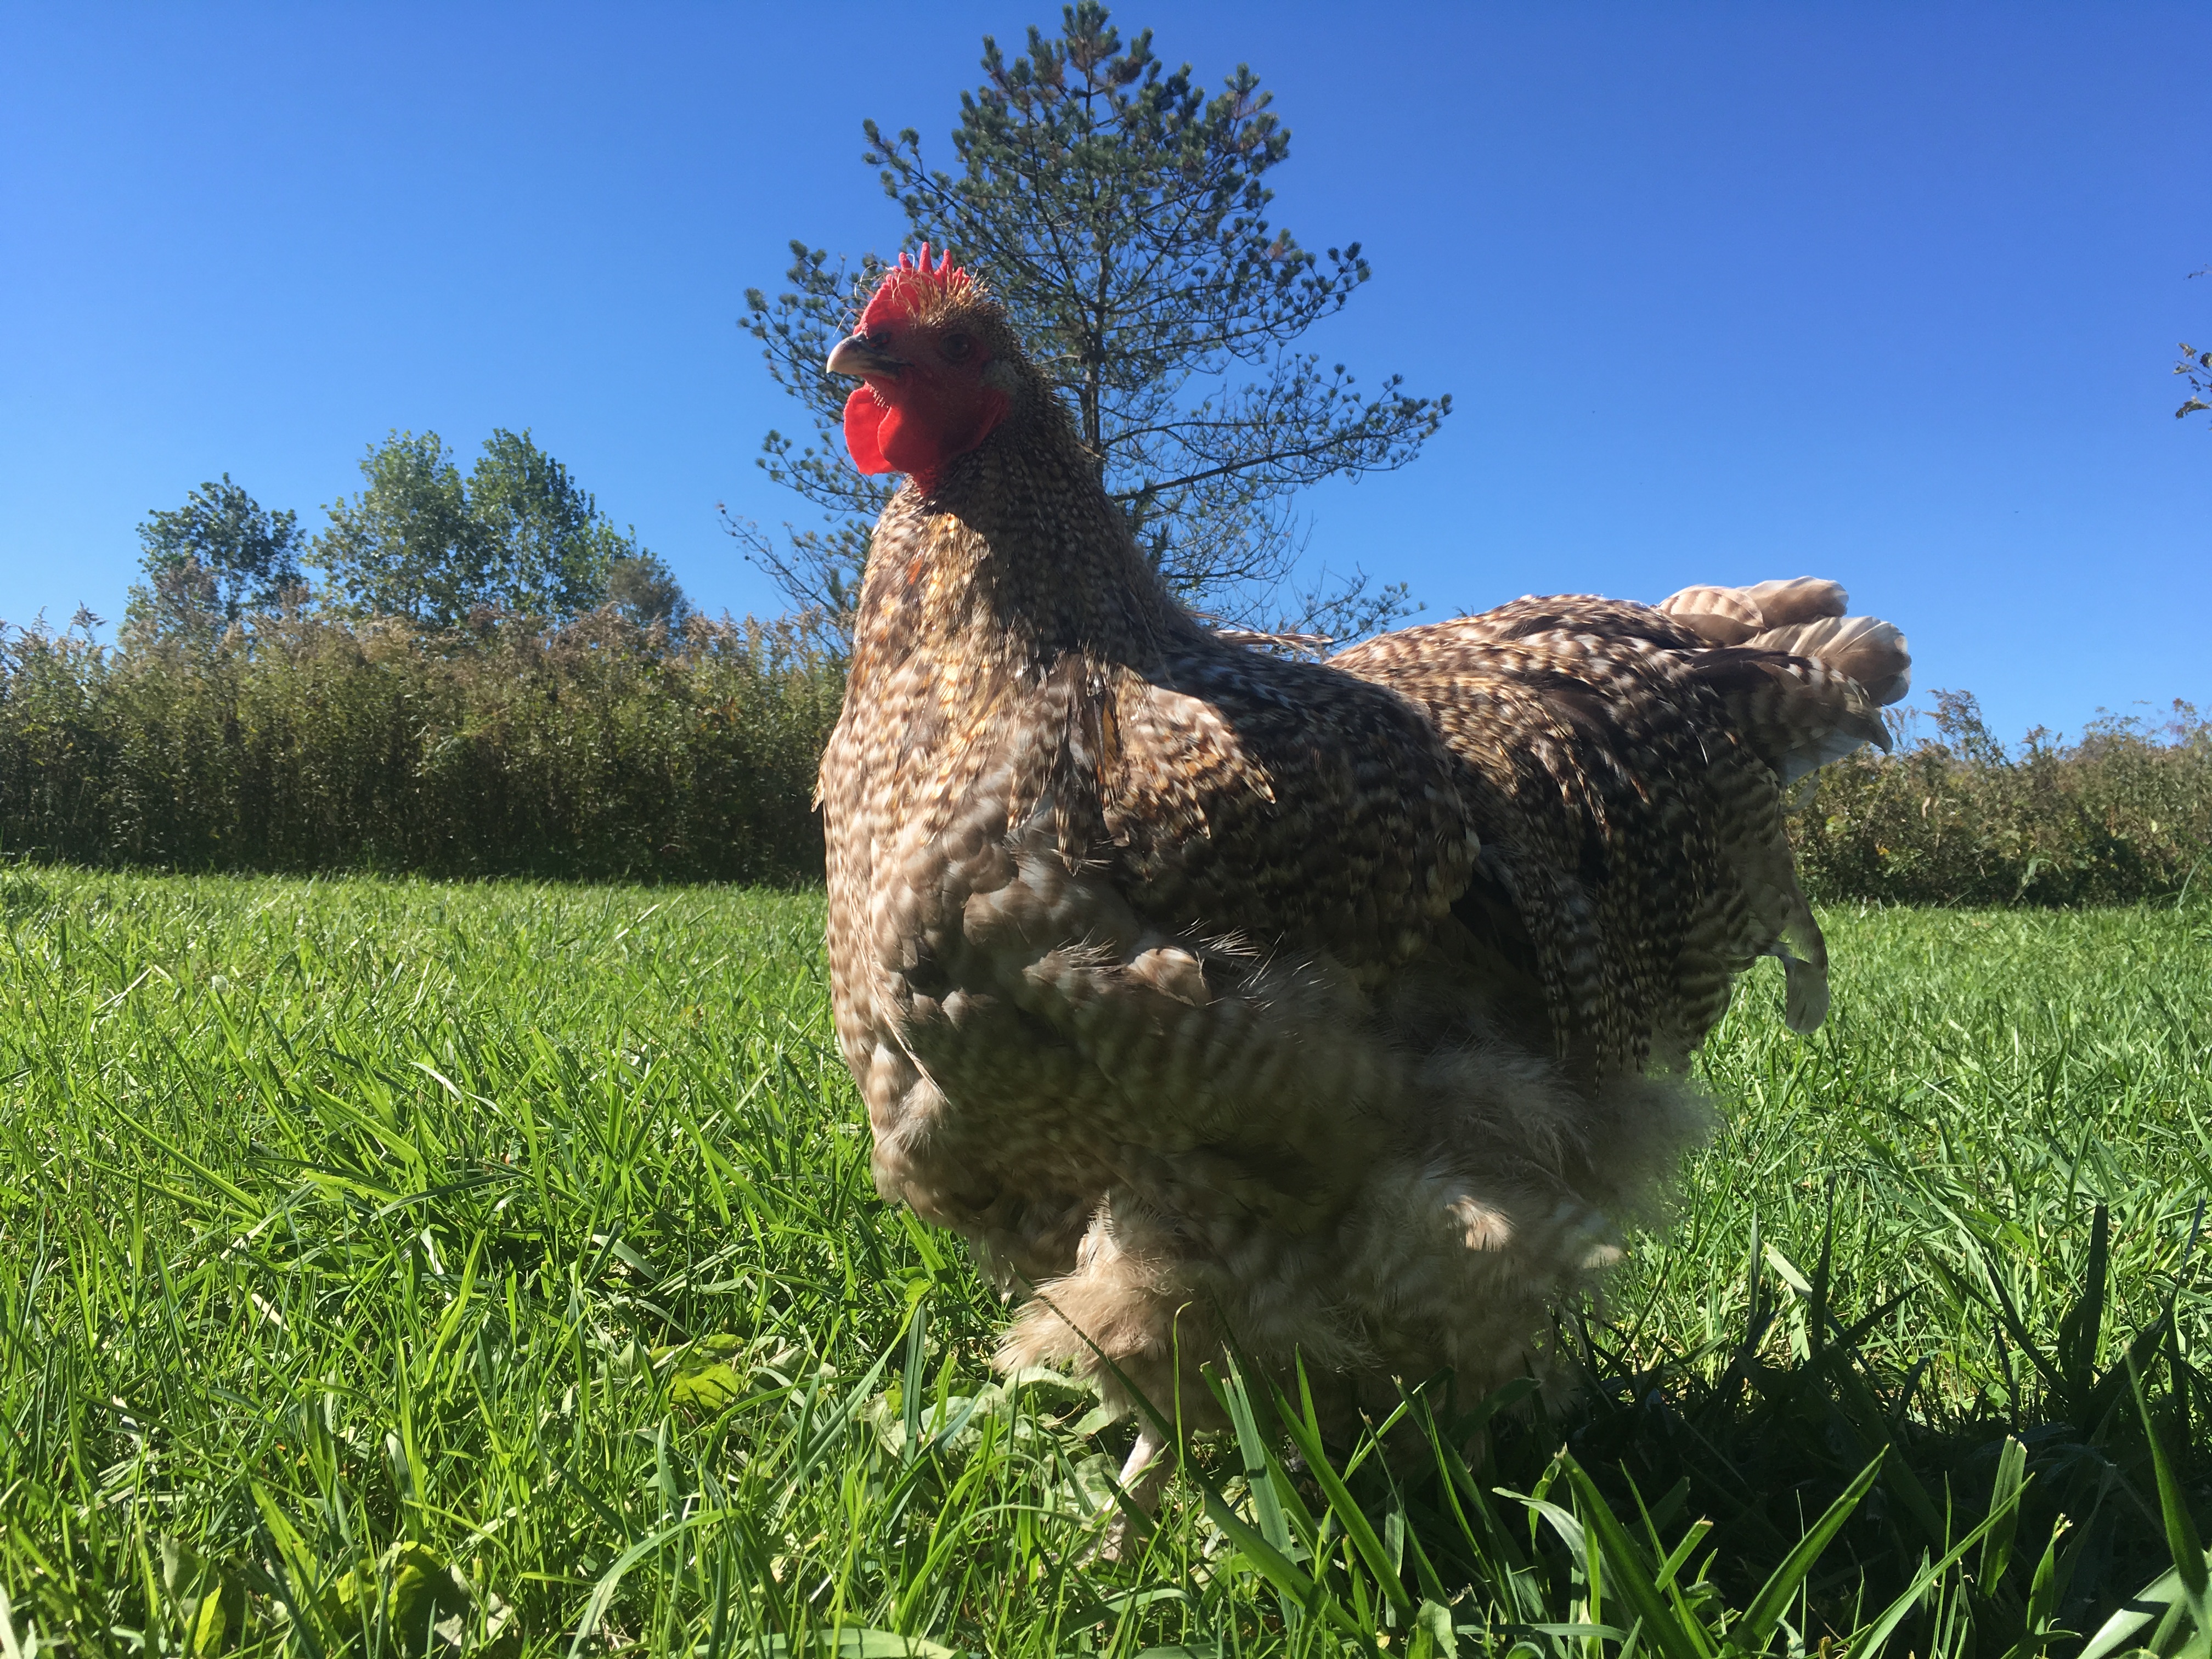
<point x="598" y="748"/>
<point x="2123" y="815"/>
<point x="607" y="747"/>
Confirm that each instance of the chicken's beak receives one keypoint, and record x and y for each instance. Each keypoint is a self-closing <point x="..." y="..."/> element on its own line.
<point x="854" y="355"/>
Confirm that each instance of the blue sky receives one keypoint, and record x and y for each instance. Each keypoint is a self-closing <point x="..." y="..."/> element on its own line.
<point x="1888" y="293"/>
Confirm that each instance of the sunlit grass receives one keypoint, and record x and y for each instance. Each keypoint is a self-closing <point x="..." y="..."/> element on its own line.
<point x="376" y="1255"/>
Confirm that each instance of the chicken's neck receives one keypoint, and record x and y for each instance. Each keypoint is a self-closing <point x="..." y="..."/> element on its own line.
<point x="1018" y="557"/>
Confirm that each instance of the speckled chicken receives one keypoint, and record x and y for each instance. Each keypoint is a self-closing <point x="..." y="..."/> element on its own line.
<point x="1339" y="1008"/>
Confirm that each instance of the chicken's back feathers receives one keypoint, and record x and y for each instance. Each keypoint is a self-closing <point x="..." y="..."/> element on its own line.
<point x="1281" y="799"/>
<point x="1633" y="859"/>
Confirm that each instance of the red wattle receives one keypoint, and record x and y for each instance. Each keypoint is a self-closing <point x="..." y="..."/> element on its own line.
<point x="886" y="437"/>
<point x="864" y="420"/>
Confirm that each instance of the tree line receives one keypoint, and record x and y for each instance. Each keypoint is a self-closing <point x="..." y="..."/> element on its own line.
<point x="419" y="543"/>
<point x="2121" y="815"/>
<point x="485" y="676"/>
<point x="600" y="747"/>
<point x="304" y="739"/>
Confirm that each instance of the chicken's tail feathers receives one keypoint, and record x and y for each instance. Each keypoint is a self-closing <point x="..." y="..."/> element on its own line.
<point x="1863" y="648"/>
<point x="1802" y="616"/>
<point x="1732" y="616"/>
<point x="1804" y="681"/>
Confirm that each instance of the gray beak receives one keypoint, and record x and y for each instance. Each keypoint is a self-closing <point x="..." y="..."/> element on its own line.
<point x="854" y="355"/>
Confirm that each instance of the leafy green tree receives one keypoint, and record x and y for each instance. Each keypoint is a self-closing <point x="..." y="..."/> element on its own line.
<point x="406" y="546"/>
<point x="1118" y="212"/>
<point x="519" y="534"/>
<point x="550" y="550"/>
<point x="645" y="589"/>
<point x="210" y="562"/>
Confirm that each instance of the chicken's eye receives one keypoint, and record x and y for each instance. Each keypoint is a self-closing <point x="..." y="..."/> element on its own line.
<point x="957" y="348"/>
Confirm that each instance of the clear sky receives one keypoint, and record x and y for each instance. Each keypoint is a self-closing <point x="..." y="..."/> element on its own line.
<point x="1888" y="293"/>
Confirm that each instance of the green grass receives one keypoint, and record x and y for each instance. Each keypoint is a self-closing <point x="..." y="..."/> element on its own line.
<point x="509" y="1252"/>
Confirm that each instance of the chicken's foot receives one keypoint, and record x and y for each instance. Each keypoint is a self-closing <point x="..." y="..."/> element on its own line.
<point x="1144" y="1475"/>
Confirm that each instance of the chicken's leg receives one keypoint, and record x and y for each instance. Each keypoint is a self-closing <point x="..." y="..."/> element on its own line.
<point x="1143" y="1476"/>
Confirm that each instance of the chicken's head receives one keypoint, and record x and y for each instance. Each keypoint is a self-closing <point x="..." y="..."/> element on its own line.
<point x="937" y="367"/>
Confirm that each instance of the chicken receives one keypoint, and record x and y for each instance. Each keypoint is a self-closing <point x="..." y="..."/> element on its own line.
<point x="1335" y="1009"/>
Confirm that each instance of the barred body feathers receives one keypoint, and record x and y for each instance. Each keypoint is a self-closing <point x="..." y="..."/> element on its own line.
<point x="1340" y="1008"/>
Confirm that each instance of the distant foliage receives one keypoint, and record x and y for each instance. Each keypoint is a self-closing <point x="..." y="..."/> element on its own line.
<point x="617" y="744"/>
<point x="2195" y="367"/>
<point x="642" y="587"/>
<point x="598" y="748"/>
<point x="211" y="560"/>
<point x="518" y="534"/>
<point x="2123" y="815"/>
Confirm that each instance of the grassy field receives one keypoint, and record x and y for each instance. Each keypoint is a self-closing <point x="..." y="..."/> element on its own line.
<point x="501" y="1261"/>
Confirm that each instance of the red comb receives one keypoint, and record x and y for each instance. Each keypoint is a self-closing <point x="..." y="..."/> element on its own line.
<point x="902" y="291"/>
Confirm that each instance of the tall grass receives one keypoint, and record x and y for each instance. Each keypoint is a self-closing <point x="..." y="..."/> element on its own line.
<point x="599" y="749"/>
<point x="602" y="750"/>
<point x="380" y="1257"/>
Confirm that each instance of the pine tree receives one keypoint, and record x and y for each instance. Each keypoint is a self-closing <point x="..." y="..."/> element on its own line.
<point x="1118" y="212"/>
<point x="2197" y="365"/>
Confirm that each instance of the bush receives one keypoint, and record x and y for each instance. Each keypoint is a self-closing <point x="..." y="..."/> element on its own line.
<point x="605" y="747"/>
<point x="2123" y="815"/>
<point x="598" y="748"/>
